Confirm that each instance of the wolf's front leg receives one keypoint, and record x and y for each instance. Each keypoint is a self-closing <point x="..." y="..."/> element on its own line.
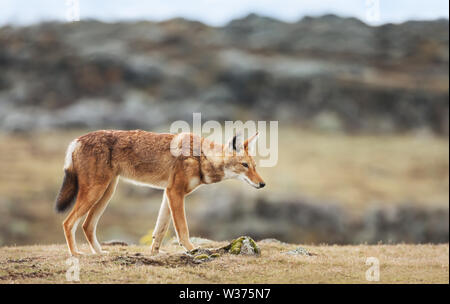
<point x="176" y="204"/>
<point x="162" y="224"/>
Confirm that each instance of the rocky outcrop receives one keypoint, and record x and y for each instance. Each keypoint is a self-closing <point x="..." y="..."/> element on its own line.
<point x="326" y="72"/>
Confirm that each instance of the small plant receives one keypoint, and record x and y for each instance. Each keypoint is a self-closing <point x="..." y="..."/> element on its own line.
<point x="202" y="257"/>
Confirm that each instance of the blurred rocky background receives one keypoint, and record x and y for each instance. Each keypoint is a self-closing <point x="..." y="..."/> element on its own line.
<point x="326" y="72"/>
<point x="363" y="113"/>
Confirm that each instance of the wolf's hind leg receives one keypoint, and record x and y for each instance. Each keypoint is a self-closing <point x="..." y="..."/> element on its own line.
<point x="87" y="197"/>
<point x="94" y="214"/>
<point x="162" y="224"/>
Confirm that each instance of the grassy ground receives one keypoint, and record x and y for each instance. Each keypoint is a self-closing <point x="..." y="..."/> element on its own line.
<point x="133" y="264"/>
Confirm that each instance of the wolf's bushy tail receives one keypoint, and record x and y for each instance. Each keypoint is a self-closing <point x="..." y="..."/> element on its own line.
<point x="68" y="192"/>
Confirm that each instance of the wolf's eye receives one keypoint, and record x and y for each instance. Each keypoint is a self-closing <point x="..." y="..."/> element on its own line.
<point x="245" y="165"/>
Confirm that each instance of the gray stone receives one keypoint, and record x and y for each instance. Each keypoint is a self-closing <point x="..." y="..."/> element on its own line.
<point x="299" y="251"/>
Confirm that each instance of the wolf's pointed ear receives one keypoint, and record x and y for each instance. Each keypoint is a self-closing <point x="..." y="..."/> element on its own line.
<point x="250" y="144"/>
<point x="236" y="143"/>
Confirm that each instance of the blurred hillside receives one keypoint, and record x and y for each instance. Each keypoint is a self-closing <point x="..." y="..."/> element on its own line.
<point x="326" y="73"/>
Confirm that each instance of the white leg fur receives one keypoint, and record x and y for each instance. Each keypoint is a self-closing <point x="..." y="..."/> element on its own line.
<point x="162" y="224"/>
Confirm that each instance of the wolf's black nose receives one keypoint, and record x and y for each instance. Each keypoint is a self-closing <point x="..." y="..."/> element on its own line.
<point x="261" y="185"/>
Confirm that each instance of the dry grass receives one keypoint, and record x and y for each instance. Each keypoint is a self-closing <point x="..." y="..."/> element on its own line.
<point x="331" y="264"/>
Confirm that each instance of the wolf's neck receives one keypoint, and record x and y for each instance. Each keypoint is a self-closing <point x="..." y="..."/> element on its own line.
<point x="212" y="169"/>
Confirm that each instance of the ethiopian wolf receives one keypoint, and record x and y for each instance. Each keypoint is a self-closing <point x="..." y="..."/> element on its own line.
<point x="173" y="162"/>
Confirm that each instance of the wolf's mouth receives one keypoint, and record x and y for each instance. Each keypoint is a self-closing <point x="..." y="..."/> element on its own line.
<point x="245" y="178"/>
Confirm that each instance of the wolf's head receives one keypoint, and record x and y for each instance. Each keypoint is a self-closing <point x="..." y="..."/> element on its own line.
<point x="238" y="160"/>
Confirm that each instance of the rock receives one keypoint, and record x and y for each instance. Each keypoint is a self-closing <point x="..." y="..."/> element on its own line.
<point x="299" y="251"/>
<point x="247" y="248"/>
<point x="200" y="255"/>
<point x="244" y="245"/>
<point x="81" y="74"/>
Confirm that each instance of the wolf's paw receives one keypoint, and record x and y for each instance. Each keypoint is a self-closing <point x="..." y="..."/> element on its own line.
<point x="193" y="251"/>
<point x="154" y="249"/>
<point x="190" y="247"/>
<point x="77" y="254"/>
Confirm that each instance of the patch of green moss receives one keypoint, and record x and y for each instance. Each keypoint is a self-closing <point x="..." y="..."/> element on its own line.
<point x="215" y="255"/>
<point x="255" y="247"/>
<point x="201" y="257"/>
<point x="193" y="251"/>
<point x="236" y="245"/>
